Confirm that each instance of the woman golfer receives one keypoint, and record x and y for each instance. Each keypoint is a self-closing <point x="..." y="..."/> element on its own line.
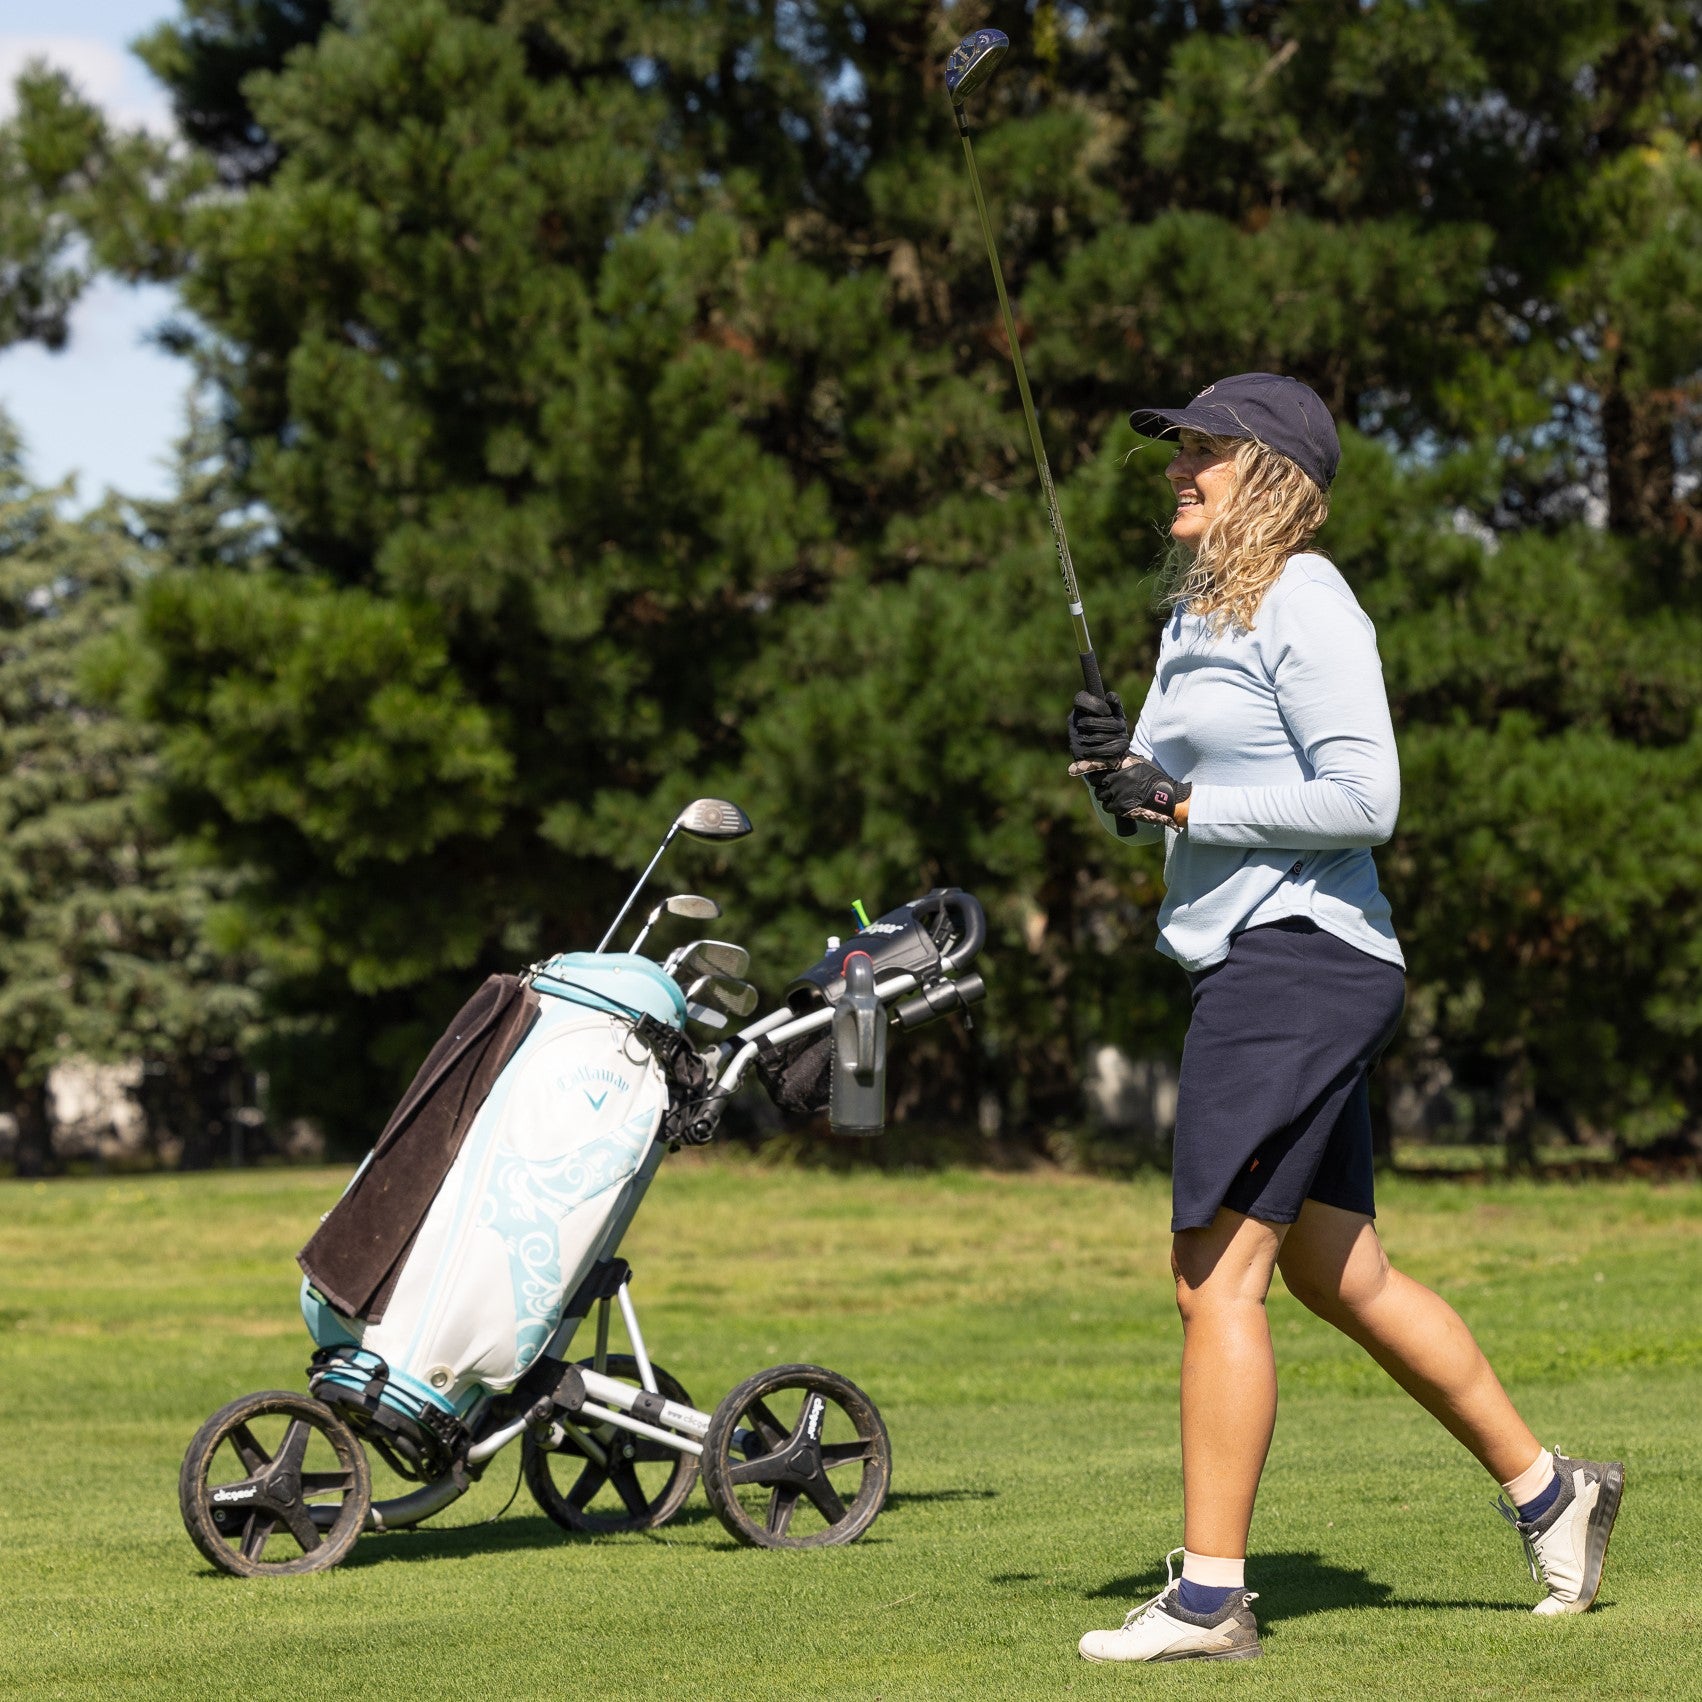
<point x="1264" y="753"/>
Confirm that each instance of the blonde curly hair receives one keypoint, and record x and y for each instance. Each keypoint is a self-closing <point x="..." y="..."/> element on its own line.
<point x="1277" y="509"/>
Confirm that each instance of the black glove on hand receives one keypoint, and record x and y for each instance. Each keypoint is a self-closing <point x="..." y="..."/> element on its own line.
<point x="1099" y="730"/>
<point x="1141" y="790"/>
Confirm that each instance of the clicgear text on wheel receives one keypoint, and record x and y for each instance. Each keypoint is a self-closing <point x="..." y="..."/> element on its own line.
<point x="797" y="1457"/>
<point x="274" y="1484"/>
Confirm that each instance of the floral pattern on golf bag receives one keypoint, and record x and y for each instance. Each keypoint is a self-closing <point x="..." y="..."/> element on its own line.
<point x="528" y="1201"/>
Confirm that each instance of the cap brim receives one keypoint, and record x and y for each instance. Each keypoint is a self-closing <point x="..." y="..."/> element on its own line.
<point x="1155" y="422"/>
<point x="1208" y="421"/>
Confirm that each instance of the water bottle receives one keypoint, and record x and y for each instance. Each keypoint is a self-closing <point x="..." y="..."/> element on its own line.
<point x="856" y="1101"/>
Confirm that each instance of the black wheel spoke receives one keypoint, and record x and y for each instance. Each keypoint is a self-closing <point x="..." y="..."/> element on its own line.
<point x="763" y="1469"/>
<point x="293" y="1449"/>
<point x="302" y="1527"/>
<point x="585" y="1486"/>
<point x="814" y="1408"/>
<point x="256" y="1533"/>
<point x="825" y="1499"/>
<point x="780" y="1505"/>
<point x="254" y="1458"/>
<point x="845" y="1453"/>
<point x="647" y="1452"/>
<point x="239" y="1494"/>
<point x="630" y="1490"/>
<point x="326" y="1483"/>
<point x="768" y="1427"/>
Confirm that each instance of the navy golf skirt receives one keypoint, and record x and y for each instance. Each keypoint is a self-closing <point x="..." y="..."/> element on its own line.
<point x="1274" y="1107"/>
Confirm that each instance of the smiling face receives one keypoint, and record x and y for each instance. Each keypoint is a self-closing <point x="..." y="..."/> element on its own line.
<point x="1202" y="475"/>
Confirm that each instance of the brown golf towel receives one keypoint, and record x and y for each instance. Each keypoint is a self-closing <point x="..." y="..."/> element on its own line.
<point x="357" y="1252"/>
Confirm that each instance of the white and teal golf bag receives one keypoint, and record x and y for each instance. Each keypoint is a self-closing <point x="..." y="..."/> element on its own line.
<point x="548" y="1173"/>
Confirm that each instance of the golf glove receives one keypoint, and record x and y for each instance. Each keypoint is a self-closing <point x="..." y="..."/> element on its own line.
<point x="1141" y="790"/>
<point x="1099" y="730"/>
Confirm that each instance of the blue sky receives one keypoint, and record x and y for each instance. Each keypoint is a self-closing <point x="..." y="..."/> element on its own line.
<point x="107" y="408"/>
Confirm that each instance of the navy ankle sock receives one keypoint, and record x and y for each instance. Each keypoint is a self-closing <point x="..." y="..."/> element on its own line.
<point x="1530" y="1510"/>
<point x="1203" y="1598"/>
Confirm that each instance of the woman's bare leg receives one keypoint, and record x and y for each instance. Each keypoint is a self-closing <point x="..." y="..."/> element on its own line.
<point x="1334" y="1264"/>
<point x="1229" y="1392"/>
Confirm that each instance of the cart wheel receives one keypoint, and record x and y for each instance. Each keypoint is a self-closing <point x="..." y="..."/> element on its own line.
<point x="274" y="1484"/>
<point x="797" y="1457"/>
<point x="598" y="1477"/>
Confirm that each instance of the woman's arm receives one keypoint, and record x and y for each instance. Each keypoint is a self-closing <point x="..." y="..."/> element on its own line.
<point x="1329" y="689"/>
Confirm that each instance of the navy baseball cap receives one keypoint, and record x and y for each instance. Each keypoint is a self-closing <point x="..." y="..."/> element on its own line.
<point x="1280" y="412"/>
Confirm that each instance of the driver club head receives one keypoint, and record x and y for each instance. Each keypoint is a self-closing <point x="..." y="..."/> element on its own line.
<point x="972" y="62"/>
<point x="713" y="818"/>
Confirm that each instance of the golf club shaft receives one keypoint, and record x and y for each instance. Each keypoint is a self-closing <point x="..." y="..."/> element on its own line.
<point x="1084" y="644"/>
<point x="632" y="897"/>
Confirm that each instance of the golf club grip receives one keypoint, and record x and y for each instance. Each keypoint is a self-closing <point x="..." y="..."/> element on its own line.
<point x="1090" y="677"/>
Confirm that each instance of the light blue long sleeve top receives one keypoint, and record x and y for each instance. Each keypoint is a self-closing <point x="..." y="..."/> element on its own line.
<point x="1284" y="732"/>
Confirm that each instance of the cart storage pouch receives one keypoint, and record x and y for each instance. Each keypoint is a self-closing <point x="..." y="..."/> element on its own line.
<point x="798" y="1075"/>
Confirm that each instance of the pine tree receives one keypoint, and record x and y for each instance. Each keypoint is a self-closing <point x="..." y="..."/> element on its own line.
<point x="104" y="949"/>
<point x="76" y="196"/>
<point x="628" y="395"/>
<point x="207" y="55"/>
<point x="40" y="151"/>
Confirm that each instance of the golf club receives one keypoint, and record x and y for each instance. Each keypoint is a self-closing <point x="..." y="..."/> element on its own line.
<point x="970" y="65"/>
<point x="706" y="818"/>
<point x="726" y="992"/>
<point x="680" y="904"/>
<point x="706" y="957"/>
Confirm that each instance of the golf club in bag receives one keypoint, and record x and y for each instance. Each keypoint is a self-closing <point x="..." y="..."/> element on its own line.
<point x="445" y="1291"/>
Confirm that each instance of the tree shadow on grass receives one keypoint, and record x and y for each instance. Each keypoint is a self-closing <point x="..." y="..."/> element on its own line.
<point x="1294" y="1584"/>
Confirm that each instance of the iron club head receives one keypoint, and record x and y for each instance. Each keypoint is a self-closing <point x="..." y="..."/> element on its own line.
<point x="723" y="992"/>
<point x="972" y="62"/>
<point x="707" y="957"/>
<point x="680" y="904"/>
<point x="691" y="904"/>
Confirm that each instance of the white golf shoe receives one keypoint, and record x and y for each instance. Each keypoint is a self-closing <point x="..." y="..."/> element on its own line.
<point x="1567" y="1546"/>
<point x="1163" y="1630"/>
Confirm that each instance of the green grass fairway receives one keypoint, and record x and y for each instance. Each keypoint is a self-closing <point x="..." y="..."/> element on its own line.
<point x="1020" y="1338"/>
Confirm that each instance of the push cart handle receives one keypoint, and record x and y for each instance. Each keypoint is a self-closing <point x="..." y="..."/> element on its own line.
<point x="972" y="919"/>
